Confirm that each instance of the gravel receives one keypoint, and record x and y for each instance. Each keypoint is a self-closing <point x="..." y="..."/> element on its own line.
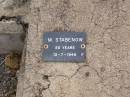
<point x="8" y="80"/>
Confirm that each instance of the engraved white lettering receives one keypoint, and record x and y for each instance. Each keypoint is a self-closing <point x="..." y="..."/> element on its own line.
<point x="49" y="39"/>
<point x="68" y="39"/>
<point x="57" y="47"/>
<point x="55" y="54"/>
<point x="71" y="54"/>
<point x="68" y="47"/>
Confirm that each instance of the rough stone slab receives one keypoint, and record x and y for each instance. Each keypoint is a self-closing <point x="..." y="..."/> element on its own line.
<point x="11" y="36"/>
<point x="106" y="72"/>
<point x="10" y="27"/>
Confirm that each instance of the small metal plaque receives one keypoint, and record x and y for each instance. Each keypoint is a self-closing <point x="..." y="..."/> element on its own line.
<point x="64" y="46"/>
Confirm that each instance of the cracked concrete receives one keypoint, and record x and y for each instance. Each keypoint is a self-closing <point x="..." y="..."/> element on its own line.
<point x="106" y="70"/>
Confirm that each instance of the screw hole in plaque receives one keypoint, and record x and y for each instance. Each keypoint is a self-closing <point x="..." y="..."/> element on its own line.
<point x="45" y="46"/>
<point x="83" y="46"/>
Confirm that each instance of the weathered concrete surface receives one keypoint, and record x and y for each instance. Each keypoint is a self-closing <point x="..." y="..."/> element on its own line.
<point x="106" y="72"/>
<point x="14" y="7"/>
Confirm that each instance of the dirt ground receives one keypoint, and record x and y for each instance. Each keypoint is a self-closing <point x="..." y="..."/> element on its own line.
<point x="8" y="79"/>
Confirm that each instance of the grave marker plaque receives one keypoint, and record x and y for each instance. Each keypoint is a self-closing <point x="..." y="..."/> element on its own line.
<point x="64" y="46"/>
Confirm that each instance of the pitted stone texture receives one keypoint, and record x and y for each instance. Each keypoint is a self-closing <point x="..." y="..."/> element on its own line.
<point x="106" y="70"/>
<point x="10" y="27"/>
<point x="14" y="7"/>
